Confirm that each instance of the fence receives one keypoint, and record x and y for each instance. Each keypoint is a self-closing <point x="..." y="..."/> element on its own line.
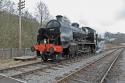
<point x="13" y="52"/>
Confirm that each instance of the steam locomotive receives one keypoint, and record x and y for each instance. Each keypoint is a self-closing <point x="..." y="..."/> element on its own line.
<point x="61" y="39"/>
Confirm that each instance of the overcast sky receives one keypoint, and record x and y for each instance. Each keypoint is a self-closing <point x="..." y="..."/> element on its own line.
<point x="102" y="15"/>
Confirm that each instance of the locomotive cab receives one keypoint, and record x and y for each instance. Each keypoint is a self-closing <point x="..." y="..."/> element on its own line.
<point x="90" y="38"/>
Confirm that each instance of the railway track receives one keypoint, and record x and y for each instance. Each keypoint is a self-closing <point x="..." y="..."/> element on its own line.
<point x="44" y="66"/>
<point x="17" y="71"/>
<point x="94" y="72"/>
<point x="46" y="72"/>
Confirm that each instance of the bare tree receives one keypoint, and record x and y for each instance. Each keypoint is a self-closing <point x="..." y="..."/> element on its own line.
<point x="27" y="14"/>
<point x="3" y="4"/>
<point x="10" y="7"/>
<point x="42" y="14"/>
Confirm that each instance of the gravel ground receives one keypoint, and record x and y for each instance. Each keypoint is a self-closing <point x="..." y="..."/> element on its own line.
<point x="54" y="73"/>
<point x="117" y="73"/>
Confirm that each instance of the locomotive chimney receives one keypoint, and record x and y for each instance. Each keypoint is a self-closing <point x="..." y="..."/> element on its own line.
<point x="59" y="17"/>
<point x="75" y="25"/>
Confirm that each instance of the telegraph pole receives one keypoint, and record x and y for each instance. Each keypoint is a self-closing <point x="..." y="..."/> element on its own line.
<point x="21" y="5"/>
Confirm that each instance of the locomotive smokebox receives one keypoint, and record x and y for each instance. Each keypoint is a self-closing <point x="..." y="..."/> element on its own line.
<point x="75" y="25"/>
<point x="59" y="17"/>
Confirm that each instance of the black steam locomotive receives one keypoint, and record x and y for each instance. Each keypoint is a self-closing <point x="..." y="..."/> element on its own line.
<point x="63" y="40"/>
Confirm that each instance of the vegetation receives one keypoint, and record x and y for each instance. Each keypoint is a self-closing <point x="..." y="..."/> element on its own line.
<point x="9" y="31"/>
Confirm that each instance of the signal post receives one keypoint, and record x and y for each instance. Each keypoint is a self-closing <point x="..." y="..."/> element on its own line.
<point x="21" y="5"/>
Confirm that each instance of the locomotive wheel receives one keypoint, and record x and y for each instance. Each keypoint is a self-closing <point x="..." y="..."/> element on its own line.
<point x="44" y="57"/>
<point x="53" y="56"/>
<point x="73" y="55"/>
<point x="66" y="56"/>
<point x="51" y="50"/>
<point x="69" y="56"/>
<point x="38" y="54"/>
